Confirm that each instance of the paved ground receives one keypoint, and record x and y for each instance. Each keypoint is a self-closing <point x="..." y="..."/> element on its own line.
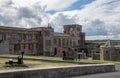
<point x="104" y="75"/>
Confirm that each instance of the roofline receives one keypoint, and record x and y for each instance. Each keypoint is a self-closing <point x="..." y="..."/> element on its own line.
<point x="72" y="25"/>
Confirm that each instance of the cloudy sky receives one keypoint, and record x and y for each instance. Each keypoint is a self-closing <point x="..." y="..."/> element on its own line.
<point x="100" y="18"/>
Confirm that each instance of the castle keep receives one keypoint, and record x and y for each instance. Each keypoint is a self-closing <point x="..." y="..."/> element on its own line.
<point x="40" y="40"/>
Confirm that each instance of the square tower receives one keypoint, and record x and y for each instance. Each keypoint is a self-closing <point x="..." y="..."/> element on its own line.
<point x="73" y="30"/>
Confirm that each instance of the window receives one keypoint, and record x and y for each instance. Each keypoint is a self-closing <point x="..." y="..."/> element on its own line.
<point x="74" y="43"/>
<point x="55" y="41"/>
<point x="17" y="47"/>
<point x="37" y="36"/>
<point x="70" y="42"/>
<point x="59" y="42"/>
<point x="97" y="52"/>
<point x="71" y="28"/>
<point x="40" y="33"/>
<point x="48" y="42"/>
<point x="30" y="37"/>
<point x="2" y="37"/>
<point x="30" y="46"/>
<point x="79" y="41"/>
<point x="78" y="29"/>
<point x="63" y="42"/>
<point x="19" y="37"/>
<point x="24" y="46"/>
<point x="67" y="42"/>
<point x="47" y="33"/>
<point x="24" y="36"/>
<point x="106" y="52"/>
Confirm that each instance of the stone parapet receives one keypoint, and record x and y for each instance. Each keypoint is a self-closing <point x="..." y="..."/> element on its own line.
<point x="58" y="72"/>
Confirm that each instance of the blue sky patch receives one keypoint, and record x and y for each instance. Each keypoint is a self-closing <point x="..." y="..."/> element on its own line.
<point x="79" y="4"/>
<point x="75" y="6"/>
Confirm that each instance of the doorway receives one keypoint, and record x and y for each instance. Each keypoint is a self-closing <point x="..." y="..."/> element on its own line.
<point x="55" y="51"/>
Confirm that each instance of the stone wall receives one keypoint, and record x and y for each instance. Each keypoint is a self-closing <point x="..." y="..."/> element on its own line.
<point x="58" y="72"/>
<point x="39" y="40"/>
<point x="111" y="53"/>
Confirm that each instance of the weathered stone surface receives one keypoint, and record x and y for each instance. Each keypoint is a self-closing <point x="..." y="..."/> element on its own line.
<point x="59" y="72"/>
<point x="40" y="40"/>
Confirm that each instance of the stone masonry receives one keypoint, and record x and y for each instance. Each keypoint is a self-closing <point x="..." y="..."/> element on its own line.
<point x="40" y="40"/>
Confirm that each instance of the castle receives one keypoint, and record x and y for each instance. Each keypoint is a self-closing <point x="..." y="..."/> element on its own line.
<point x="44" y="41"/>
<point x="40" y="40"/>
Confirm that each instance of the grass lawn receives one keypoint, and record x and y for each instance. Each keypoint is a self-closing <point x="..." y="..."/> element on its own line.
<point x="31" y="64"/>
<point x="99" y="61"/>
<point x="42" y="64"/>
<point x="41" y="57"/>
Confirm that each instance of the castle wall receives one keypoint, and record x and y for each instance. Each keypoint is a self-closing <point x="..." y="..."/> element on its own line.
<point x="16" y="40"/>
<point x="111" y="54"/>
<point x="103" y="51"/>
<point x="40" y="40"/>
<point x="4" y="47"/>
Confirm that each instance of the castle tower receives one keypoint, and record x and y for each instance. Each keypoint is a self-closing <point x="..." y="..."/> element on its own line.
<point x="75" y="30"/>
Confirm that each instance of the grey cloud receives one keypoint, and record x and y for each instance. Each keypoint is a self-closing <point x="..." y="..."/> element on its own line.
<point x="39" y="8"/>
<point x="8" y="3"/>
<point x="114" y="30"/>
<point x="11" y="15"/>
<point x="60" y="20"/>
<point x="99" y="18"/>
<point x="96" y="27"/>
<point x="5" y="20"/>
<point x="25" y="12"/>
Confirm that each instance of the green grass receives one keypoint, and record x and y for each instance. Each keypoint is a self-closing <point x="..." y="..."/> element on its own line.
<point x="99" y="61"/>
<point x="42" y="64"/>
<point x="31" y="64"/>
<point x="41" y="57"/>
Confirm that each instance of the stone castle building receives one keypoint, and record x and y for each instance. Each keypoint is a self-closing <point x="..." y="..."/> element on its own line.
<point x="40" y="40"/>
<point x="110" y="51"/>
<point x="104" y="50"/>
